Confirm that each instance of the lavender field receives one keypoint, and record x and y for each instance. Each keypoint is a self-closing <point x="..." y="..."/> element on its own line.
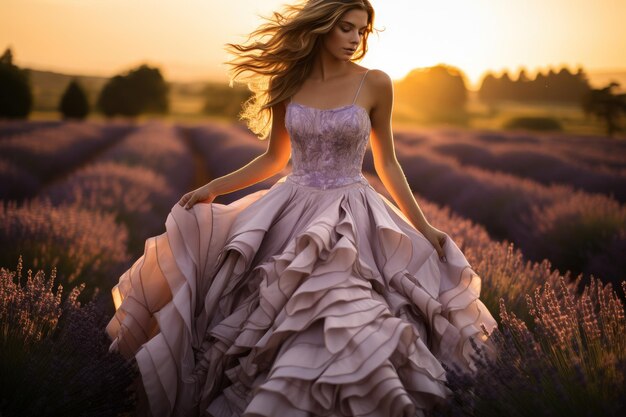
<point x="541" y="218"/>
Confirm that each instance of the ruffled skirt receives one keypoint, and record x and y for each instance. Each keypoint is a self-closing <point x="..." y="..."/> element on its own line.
<point x="296" y="301"/>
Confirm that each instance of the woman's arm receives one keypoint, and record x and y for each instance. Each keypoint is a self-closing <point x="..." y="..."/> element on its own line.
<point x="386" y="164"/>
<point x="262" y="167"/>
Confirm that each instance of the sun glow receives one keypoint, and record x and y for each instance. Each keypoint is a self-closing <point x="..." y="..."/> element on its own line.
<point x="424" y="33"/>
<point x="187" y="39"/>
<point x="481" y="35"/>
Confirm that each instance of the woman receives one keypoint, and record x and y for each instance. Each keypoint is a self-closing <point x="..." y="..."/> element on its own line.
<point x="316" y="296"/>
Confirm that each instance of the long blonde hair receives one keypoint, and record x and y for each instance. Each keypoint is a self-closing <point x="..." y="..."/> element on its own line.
<point x="282" y="52"/>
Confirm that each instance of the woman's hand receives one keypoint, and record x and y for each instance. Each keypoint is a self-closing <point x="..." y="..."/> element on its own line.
<point x="200" y="195"/>
<point x="437" y="238"/>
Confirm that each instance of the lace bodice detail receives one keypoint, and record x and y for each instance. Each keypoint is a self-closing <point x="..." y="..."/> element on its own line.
<point x="327" y="145"/>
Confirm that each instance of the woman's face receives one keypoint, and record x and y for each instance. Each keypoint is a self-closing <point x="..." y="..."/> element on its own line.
<point x="344" y="38"/>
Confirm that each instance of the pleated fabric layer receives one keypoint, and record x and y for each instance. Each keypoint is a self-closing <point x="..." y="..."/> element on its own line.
<point x="296" y="301"/>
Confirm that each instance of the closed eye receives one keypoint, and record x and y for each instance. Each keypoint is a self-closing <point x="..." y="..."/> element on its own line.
<point x="350" y="26"/>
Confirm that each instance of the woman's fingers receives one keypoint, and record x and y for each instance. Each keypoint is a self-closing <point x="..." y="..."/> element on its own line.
<point x="192" y="201"/>
<point x="183" y="199"/>
<point x="193" y="197"/>
<point x="186" y="199"/>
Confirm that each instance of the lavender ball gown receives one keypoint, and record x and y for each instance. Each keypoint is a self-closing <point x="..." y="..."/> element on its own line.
<point x="315" y="297"/>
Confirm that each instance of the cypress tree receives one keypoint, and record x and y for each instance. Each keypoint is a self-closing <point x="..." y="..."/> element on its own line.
<point x="74" y="103"/>
<point x="16" y="97"/>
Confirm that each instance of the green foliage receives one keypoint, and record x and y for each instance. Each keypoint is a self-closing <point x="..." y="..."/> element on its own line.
<point x="541" y="123"/>
<point x="142" y="90"/>
<point x="74" y="103"/>
<point x="16" y="97"/>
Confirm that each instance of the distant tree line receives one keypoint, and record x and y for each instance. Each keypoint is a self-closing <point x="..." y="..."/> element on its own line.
<point x="140" y="90"/>
<point x="435" y="90"/>
<point x="553" y="87"/>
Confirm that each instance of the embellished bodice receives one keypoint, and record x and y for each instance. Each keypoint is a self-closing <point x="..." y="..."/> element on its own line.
<point x="327" y="145"/>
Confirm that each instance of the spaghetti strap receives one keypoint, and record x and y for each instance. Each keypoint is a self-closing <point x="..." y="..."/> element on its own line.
<point x="360" y="85"/>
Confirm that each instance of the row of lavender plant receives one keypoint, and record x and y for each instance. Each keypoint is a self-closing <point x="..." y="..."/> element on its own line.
<point x="138" y="180"/>
<point x="85" y="245"/>
<point x="600" y="154"/>
<point x="46" y="154"/>
<point x="537" y="164"/>
<point x="54" y="357"/>
<point x="159" y="147"/>
<point x="575" y="230"/>
<point x="9" y="128"/>
<point x="137" y="197"/>
<point x="591" y="151"/>
<point x="597" y="154"/>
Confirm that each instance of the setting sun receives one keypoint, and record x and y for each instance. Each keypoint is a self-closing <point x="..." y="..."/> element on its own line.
<point x="483" y="34"/>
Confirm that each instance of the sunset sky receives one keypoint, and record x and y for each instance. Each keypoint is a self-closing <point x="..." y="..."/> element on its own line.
<point x="185" y="38"/>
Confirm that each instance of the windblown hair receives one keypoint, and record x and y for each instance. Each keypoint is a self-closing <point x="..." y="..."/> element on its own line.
<point x="279" y="54"/>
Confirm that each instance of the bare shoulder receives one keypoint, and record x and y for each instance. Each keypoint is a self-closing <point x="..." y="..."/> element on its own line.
<point x="381" y="86"/>
<point x="379" y="81"/>
<point x="378" y="77"/>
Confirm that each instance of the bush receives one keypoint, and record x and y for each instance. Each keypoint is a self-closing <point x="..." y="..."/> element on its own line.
<point x="533" y="123"/>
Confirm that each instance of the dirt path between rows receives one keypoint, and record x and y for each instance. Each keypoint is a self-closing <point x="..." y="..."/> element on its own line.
<point x="201" y="172"/>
